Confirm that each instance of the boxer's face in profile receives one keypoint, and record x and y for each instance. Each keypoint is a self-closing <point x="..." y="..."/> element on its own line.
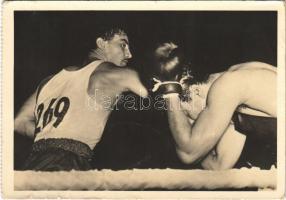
<point x="117" y="50"/>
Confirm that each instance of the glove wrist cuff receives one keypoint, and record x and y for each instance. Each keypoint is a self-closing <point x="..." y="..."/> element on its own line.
<point x="170" y="87"/>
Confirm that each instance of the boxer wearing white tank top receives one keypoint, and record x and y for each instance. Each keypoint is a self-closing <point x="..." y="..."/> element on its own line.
<point x="68" y="113"/>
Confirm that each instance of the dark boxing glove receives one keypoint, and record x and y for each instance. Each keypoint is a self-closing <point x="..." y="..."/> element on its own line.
<point x="170" y="70"/>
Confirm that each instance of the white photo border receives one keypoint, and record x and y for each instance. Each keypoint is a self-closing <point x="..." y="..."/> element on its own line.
<point x="8" y="92"/>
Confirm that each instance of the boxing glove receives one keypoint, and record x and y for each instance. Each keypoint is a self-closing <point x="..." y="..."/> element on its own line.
<point x="170" y="70"/>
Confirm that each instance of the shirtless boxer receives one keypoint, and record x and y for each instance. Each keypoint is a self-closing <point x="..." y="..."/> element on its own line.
<point x="244" y="95"/>
<point x="68" y="112"/>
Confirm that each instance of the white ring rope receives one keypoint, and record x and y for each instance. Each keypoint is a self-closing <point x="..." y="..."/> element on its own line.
<point x="139" y="179"/>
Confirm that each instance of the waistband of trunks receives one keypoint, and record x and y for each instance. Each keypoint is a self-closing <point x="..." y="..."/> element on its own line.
<point x="73" y="146"/>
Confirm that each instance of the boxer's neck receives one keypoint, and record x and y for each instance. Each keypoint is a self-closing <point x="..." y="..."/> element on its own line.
<point x="98" y="54"/>
<point x="203" y="88"/>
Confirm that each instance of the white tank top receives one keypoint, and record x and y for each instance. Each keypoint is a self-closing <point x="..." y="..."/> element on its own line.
<point x="63" y="108"/>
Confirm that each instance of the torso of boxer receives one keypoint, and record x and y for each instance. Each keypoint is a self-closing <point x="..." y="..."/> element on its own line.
<point x="70" y="110"/>
<point x="258" y="81"/>
<point x="73" y="113"/>
<point x="244" y="121"/>
<point x="75" y="103"/>
<point x="259" y="86"/>
<point x="247" y="88"/>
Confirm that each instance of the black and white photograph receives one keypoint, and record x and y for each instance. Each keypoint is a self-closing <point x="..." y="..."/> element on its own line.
<point x="145" y="99"/>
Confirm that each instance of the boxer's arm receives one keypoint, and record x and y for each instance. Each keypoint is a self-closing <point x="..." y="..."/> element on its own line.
<point x="227" y="151"/>
<point x="24" y="122"/>
<point x="109" y="75"/>
<point x="194" y="142"/>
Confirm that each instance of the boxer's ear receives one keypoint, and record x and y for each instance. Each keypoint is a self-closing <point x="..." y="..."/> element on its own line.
<point x="100" y="43"/>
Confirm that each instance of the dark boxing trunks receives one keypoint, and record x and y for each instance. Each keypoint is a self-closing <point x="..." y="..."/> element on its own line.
<point x="260" y="147"/>
<point x="59" y="155"/>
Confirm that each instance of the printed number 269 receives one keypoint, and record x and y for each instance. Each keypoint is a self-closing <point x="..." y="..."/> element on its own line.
<point x="51" y="112"/>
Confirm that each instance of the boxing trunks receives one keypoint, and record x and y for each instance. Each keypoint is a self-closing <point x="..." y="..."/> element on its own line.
<point x="59" y="155"/>
<point x="260" y="147"/>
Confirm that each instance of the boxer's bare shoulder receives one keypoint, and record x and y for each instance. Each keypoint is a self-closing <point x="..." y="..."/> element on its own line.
<point x="227" y="85"/>
<point x="254" y="65"/>
<point x="115" y="80"/>
<point x="100" y="77"/>
<point x="249" y="84"/>
<point x="72" y="68"/>
<point x="111" y="71"/>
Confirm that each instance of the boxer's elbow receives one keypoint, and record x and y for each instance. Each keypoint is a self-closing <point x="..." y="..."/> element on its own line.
<point x="22" y="124"/>
<point x="188" y="157"/>
<point x="19" y="125"/>
<point x="193" y="151"/>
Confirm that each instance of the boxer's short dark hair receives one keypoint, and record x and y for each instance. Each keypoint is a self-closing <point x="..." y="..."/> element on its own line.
<point x="109" y="33"/>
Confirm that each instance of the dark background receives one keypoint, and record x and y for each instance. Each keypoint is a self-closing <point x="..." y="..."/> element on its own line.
<point x="47" y="41"/>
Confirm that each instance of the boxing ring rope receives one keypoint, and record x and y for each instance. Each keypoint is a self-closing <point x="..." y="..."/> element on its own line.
<point x="140" y="179"/>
